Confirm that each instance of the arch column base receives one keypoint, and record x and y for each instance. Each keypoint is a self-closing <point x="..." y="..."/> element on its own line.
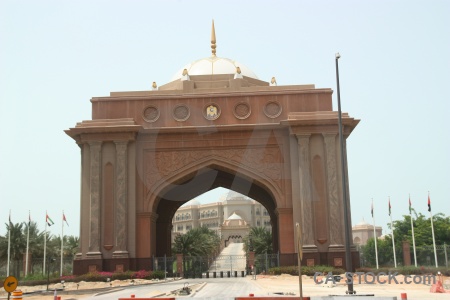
<point x="337" y="259"/>
<point x="94" y="255"/>
<point x="120" y="254"/>
<point x="83" y="266"/>
<point x="310" y="248"/>
<point x="336" y="248"/>
<point x="117" y="264"/>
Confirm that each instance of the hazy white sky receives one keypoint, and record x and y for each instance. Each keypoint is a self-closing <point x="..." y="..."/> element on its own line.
<point x="394" y="73"/>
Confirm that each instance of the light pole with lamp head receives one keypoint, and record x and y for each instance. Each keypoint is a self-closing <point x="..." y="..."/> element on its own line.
<point x="348" y="256"/>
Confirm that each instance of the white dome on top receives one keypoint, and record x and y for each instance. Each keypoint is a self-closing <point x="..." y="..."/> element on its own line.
<point x="232" y="195"/>
<point x="234" y="216"/>
<point x="191" y="202"/>
<point x="214" y="65"/>
<point x="363" y="223"/>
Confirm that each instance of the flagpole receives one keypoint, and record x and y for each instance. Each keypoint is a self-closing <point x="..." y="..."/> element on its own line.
<point x="62" y="244"/>
<point x="300" y="256"/>
<point x="9" y="244"/>
<point x="45" y="243"/>
<point x="412" y="231"/>
<point x="432" y="230"/>
<point x="392" y="233"/>
<point x="375" y="236"/>
<point x="28" y="243"/>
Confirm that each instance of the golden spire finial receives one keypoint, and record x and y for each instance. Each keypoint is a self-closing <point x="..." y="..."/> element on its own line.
<point x="213" y="39"/>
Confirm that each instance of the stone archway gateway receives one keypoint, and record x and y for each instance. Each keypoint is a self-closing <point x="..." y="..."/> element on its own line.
<point x="145" y="153"/>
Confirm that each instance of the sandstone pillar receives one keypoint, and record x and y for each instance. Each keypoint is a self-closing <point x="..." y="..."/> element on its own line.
<point x="335" y="220"/>
<point x="406" y="253"/>
<point x="95" y="163"/>
<point x="305" y="192"/>
<point x="285" y="221"/>
<point x="120" y="213"/>
<point x="180" y="270"/>
<point x="146" y="234"/>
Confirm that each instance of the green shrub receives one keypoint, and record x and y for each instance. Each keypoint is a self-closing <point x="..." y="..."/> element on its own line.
<point x="38" y="282"/>
<point x="123" y="275"/>
<point x="91" y="276"/>
<point x="31" y="277"/>
<point x="157" y="275"/>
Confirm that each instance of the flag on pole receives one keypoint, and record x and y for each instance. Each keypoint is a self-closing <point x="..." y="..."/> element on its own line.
<point x="389" y="206"/>
<point x="410" y="207"/>
<point x="49" y="220"/>
<point x="392" y="234"/>
<point x="64" y="219"/>
<point x="10" y="222"/>
<point x="29" y="219"/>
<point x="432" y="230"/>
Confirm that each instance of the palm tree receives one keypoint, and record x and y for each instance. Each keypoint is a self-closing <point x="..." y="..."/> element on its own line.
<point x="17" y="245"/>
<point x="18" y="242"/>
<point x="259" y="240"/>
<point x="71" y="246"/>
<point x="196" y="242"/>
<point x="36" y="239"/>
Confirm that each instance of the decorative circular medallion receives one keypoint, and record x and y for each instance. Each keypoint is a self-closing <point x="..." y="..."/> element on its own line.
<point x="211" y="111"/>
<point x="150" y="114"/>
<point x="242" y="110"/>
<point x="272" y="109"/>
<point x="181" y="112"/>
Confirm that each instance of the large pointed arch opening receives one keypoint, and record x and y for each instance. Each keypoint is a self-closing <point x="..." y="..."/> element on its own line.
<point x="206" y="178"/>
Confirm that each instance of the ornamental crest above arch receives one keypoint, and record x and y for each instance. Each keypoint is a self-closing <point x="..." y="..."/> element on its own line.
<point x="264" y="161"/>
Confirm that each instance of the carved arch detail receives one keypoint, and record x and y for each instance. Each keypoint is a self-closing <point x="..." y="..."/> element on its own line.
<point x="210" y="162"/>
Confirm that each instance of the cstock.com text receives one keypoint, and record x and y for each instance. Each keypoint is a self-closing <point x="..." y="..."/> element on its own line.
<point x="372" y="278"/>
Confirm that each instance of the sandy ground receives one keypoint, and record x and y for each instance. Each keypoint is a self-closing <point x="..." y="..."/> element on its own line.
<point x="74" y="290"/>
<point x="288" y="284"/>
<point x="274" y="285"/>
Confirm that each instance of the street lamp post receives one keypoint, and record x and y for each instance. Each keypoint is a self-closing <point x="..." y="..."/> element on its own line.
<point x="348" y="256"/>
<point x="49" y="260"/>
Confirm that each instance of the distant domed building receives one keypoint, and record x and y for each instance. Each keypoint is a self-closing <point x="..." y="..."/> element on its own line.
<point x="231" y="217"/>
<point x="364" y="231"/>
<point x="234" y="229"/>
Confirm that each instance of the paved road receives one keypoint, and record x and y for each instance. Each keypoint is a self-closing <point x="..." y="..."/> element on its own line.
<point x="228" y="288"/>
<point x="223" y="288"/>
<point x="232" y="258"/>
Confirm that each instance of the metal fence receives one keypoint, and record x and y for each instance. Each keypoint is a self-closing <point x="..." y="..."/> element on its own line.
<point x="425" y="256"/>
<point x="35" y="267"/>
<point x="263" y="262"/>
<point x="165" y="264"/>
<point x="227" y="265"/>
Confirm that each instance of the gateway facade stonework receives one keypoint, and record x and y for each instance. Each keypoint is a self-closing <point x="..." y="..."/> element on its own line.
<point x="145" y="153"/>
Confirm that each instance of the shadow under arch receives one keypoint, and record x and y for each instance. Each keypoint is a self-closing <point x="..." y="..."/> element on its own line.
<point x="199" y="179"/>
